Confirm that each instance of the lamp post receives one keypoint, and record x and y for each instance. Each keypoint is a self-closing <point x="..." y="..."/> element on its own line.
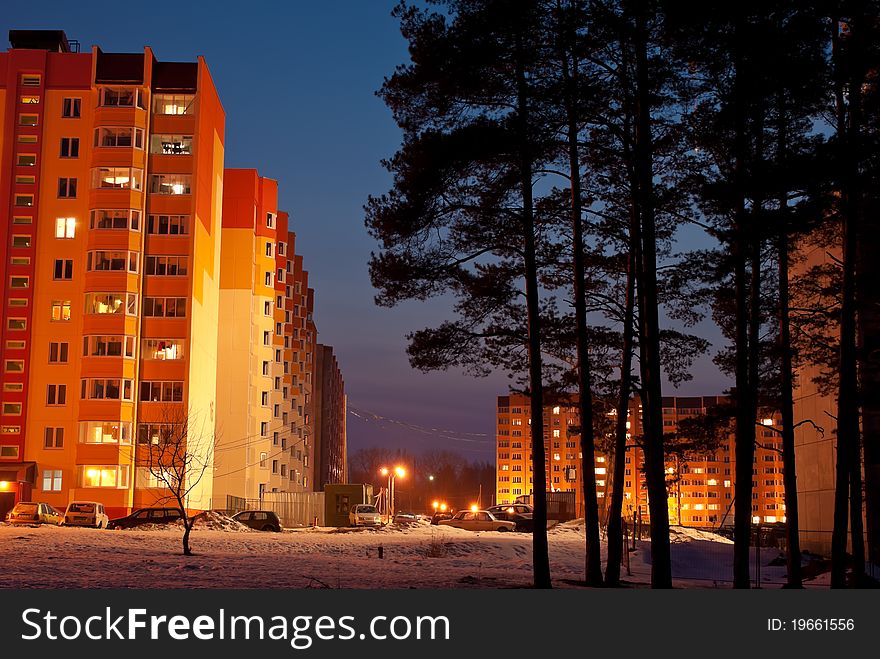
<point x="392" y="474"/>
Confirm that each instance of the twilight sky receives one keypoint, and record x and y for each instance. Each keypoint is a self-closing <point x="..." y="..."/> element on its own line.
<point x="297" y="81"/>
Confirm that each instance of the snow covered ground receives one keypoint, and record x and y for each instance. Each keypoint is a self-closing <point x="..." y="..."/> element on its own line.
<point x="419" y="556"/>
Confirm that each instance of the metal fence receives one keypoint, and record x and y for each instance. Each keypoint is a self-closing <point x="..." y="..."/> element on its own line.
<point x="293" y="508"/>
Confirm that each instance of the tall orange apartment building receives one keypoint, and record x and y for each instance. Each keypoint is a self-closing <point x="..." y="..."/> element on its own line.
<point x="111" y="171"/>
<point x="265" y="438"/>
<point x="701" y="487"/>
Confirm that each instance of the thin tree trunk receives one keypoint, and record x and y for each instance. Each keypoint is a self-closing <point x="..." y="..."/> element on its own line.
<point x="187" y="527"/>
<point x="649" y="322"/>
<point x="745" y="419"/>
<point x="615" y="539"/>
<point x="592" y="560"/>
<point x="789" y="476"/>
<point x="852" y="236"/>
<point x="540" y="550"/>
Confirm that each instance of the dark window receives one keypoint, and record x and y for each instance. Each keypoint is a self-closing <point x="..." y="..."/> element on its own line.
<point x="70" y="147"/>
<point x="71" y="108"/>
<point x="67" y="188"/>
<point x="63" y="269"/>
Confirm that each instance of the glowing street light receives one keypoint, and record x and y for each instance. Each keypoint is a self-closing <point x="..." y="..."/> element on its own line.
<point x="435" y="505"/>
<point x="474" y="507"/>
<point x="443" y="507"/>
<point x="397" y="472"/>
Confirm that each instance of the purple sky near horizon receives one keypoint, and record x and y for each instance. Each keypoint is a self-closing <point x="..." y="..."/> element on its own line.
<point x="297" y="83"/>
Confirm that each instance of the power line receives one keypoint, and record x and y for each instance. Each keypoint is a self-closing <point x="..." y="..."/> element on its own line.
<point x="455" y="435"/>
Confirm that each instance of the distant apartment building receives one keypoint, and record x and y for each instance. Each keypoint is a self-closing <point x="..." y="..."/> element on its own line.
<point x="700" y="485"/>
<point x="111" y="167"/>
<point x="143" y="288"/>
<point x="330" y="413"/>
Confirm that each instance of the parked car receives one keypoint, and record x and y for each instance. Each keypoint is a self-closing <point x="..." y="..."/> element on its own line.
<point x="480" y="520"/>
<point x="438" y="517"/>
<point x="145" y="516"/>
<point x="405" y="518"/>
<point x="364" y="514"/>
<point x="262" y="520"/>
<point x="518" y="513"/>
<point x="31" y="512"/>
<point x="85" y="513"/>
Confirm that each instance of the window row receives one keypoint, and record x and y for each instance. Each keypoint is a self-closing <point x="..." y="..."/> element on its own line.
<point x="112" y="261"/>
<point x="130" y="219"/>
<point x="172" y="266"/>
<point x="162" y="391"/>
<point x="106" y="389"/>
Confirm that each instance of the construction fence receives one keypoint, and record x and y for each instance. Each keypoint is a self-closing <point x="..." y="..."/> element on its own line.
<point x="294" y="509"/>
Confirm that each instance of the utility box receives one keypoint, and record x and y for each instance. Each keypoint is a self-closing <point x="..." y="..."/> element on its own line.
<point x="340" y="498"/>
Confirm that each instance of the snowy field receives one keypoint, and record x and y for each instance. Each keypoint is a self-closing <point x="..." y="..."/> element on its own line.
<point x="418" y="556"/>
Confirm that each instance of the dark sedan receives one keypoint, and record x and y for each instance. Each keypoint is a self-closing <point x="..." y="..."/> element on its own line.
<point x="145" y="516"/>
<point x="261" y="520"/>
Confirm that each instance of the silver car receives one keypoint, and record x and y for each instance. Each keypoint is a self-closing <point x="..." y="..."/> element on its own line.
<point x="364" y="514"/>
<point x="478" y="520"/>
<point x="85" y="513"/>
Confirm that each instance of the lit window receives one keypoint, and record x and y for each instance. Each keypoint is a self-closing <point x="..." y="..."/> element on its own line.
<point x="162" y="349"/>
<point x="61" y="310"/>
<point x="104" y="476"/>
<point x="174" y="103"/>
<point x="171" y="184"/>
<point x="51" y="480"/>
<point x="117" y="178"/>
<point x="171" y="145"/>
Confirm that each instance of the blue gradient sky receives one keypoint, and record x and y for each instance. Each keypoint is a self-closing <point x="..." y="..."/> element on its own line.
<point x="297" y="81"/>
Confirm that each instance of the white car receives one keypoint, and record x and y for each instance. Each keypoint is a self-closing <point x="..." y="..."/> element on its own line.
<point x="364" y="514"/>
<point x="479" y="520"/>
<point x="85" y="513"/>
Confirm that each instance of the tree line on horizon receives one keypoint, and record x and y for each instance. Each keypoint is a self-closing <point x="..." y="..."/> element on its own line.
<point x="437" y="475"/>
<point x="553" y="154"/>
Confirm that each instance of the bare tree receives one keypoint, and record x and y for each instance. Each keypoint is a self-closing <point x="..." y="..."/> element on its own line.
<point x="177" y="457"/>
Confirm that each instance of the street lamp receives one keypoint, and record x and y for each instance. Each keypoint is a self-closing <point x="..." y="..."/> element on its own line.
<point x="397" y="472"/>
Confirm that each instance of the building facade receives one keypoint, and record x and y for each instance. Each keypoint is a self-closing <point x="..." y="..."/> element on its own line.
<point x="144" y="289"/>
<point x="330" y="416"/>
<point x="700" y="485"/>
<point x="112" y="167"/>
<point x="265" y="428"/>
